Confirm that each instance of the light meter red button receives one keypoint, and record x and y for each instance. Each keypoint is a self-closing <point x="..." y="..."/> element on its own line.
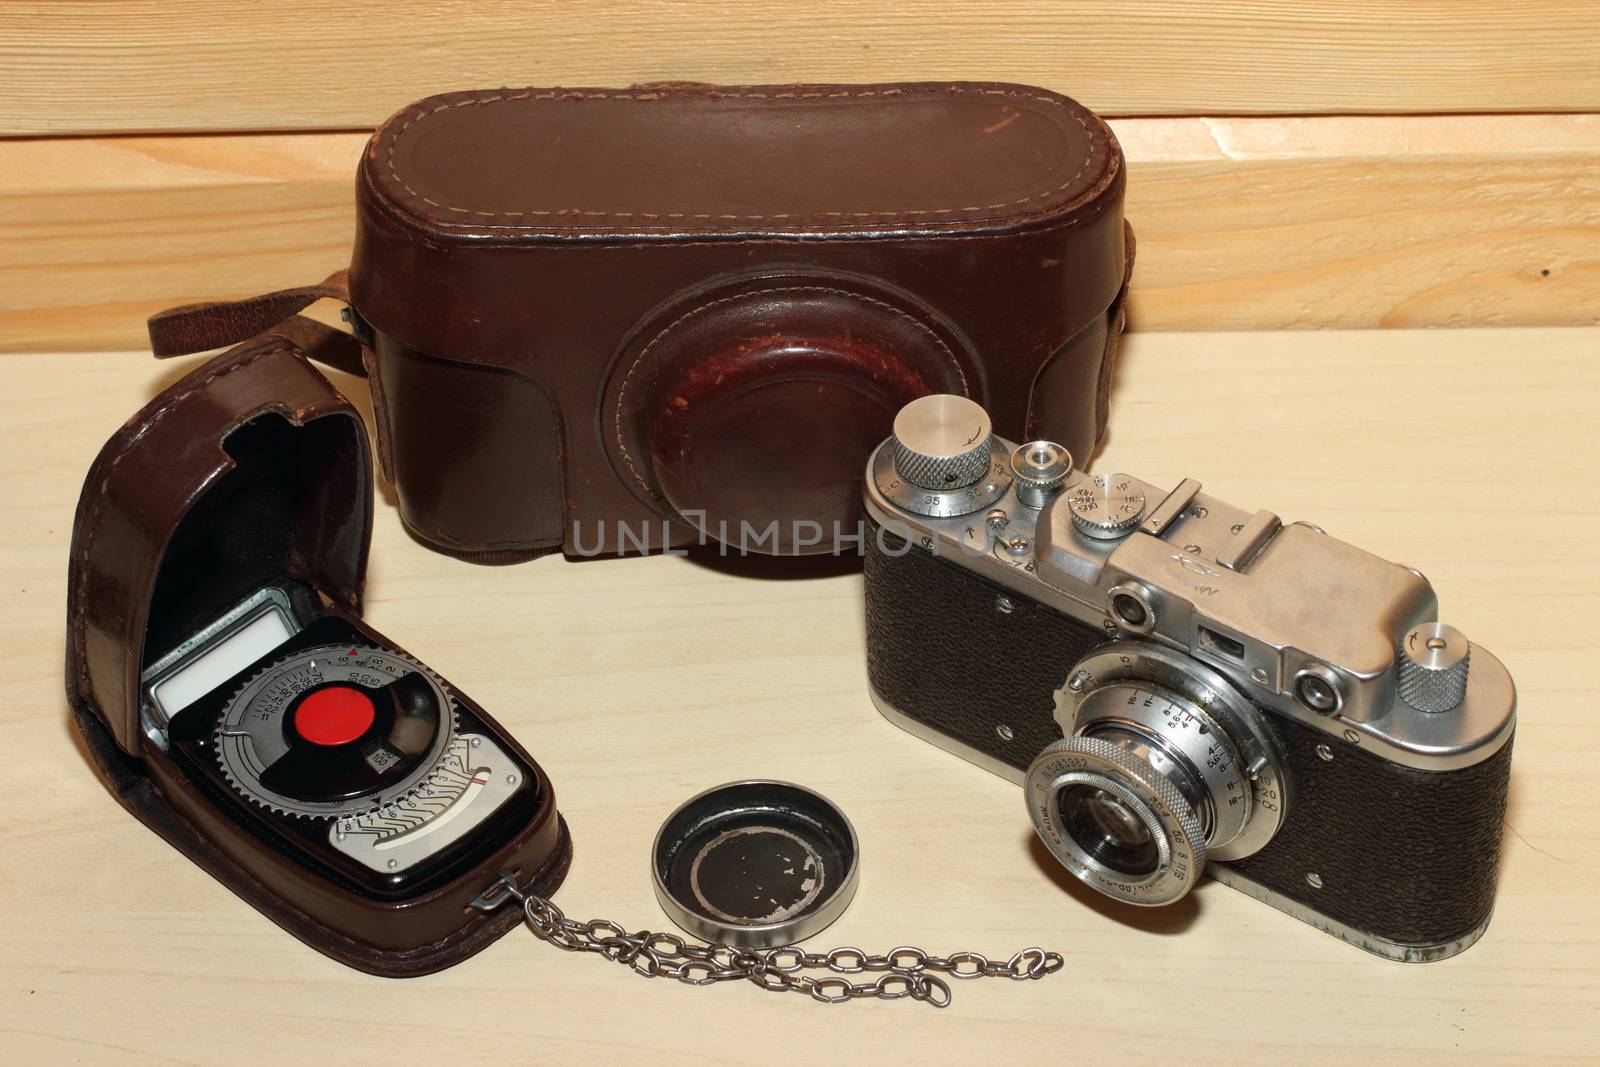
<point x="336" y="715"/>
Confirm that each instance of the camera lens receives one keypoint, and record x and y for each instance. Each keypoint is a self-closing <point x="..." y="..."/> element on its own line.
<point x="1164" y="765"/>
<point x="1108" y="830"/>
<point x="1116" y="821"/>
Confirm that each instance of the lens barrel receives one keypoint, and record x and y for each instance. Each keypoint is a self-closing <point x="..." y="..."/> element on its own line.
<point x="1165" y="765"/>
<point x="1156" y="847"/>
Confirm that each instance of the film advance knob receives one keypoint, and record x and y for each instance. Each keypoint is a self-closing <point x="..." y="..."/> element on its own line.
<point x="1434" y="659"/>
<point x="942" y="442"/>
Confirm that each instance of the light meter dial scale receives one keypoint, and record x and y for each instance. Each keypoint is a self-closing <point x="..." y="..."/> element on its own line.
<point x="335" y="731"/>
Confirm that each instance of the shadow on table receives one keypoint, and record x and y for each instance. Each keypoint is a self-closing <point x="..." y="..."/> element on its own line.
<point x="773" y="568"/>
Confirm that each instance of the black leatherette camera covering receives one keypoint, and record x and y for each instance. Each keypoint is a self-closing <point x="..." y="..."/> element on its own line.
<point x="940" y="650"/>
<point x="1406" y="855"/>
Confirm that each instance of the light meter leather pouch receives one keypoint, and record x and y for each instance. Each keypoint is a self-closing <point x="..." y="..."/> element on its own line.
<point x="608" y="320"/>
<point x="232" y="698"/>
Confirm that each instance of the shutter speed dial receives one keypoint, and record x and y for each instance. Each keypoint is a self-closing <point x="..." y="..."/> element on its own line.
<point x="1106" y="506"/>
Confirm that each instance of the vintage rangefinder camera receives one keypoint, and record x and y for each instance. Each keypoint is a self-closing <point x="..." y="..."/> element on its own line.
<point x="1181" y="685"/>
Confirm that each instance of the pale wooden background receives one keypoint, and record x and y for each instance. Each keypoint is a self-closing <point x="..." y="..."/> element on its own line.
<point x="1321" y="164"/>
<point x="1338" y="163"/>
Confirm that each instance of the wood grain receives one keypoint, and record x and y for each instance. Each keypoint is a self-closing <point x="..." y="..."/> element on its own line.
<point x="1452" y="240"/>
<point x="145" y="65"/>
<point x="97" y="235"/>
<point x="1243" y="223"/>
<point x="639" y="682"/>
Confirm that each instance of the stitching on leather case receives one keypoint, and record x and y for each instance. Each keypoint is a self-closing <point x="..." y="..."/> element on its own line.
<point x="622" y="391"/>
<point x="1096" y="152"/>
<point x="92" y="521"/>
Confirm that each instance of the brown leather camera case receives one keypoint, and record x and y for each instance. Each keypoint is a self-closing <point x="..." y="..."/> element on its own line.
<point x="159" y="548"/>
<point x="613" y="307"/>
<point x="624" y="319"/>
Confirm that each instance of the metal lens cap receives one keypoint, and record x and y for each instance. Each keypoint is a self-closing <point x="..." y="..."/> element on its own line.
<point x="757" y="864"/>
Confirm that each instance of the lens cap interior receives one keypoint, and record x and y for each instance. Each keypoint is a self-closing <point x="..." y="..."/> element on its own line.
<point x="757" y="864"/>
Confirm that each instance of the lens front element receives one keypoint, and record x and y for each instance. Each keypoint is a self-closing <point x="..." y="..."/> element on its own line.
<point x="1115" y="822"/>
<point x="1109" y="830"/>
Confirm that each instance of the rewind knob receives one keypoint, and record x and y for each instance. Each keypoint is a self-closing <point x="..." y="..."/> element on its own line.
<point x="1434" y="659"/>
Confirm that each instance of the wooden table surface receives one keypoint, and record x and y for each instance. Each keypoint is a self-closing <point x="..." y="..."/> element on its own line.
<point x="637" y="682"/>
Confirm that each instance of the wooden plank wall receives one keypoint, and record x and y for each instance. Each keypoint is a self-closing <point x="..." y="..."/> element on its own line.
<point x="1336" y="163"/>
<point x="143" y="65"/>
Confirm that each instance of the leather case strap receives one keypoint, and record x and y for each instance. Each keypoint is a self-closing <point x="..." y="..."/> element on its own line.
<point x="190" y="328"/>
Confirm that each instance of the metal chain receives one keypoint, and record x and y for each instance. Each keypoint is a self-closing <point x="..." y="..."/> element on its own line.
<point x="902" y="972"/>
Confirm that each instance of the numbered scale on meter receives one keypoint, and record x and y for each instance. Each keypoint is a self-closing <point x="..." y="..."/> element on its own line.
<point x="367" y="738"/>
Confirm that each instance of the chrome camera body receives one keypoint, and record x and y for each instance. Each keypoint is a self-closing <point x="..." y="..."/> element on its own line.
<point x="1184" y="686"/>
